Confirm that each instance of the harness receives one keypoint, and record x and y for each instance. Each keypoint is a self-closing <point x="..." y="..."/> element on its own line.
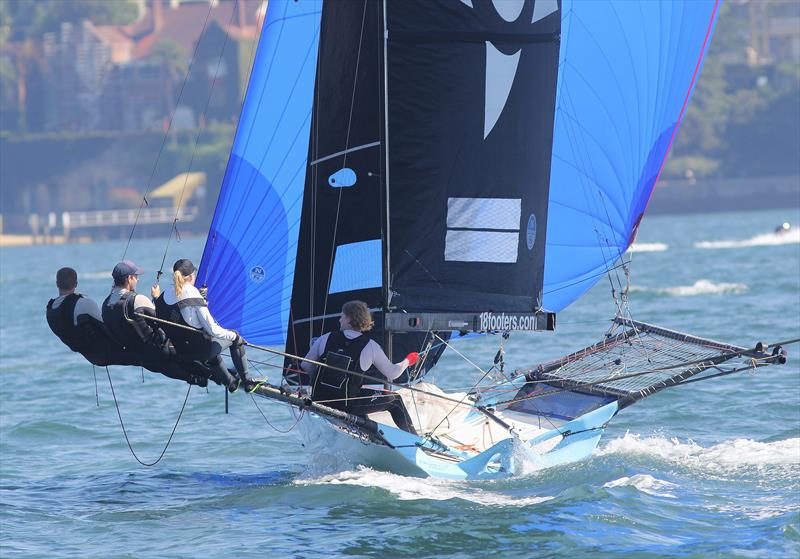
<point x="189" y="344"/>
<point x="333" y="386"/>
<point x="88" y="336"/>
<point x="133" y="332"/>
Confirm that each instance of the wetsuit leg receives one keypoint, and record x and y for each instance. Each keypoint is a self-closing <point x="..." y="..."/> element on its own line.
<point x="219" y="373"/>
<point x="239" y="360"/>
<point x="371" y="401"/>
<point x="218" y="365"/>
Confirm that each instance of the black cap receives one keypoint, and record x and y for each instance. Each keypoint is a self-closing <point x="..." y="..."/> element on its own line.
<point x="184" y="266"/>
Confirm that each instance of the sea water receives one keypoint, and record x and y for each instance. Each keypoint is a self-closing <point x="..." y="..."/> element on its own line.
<point x="707" y="470"/>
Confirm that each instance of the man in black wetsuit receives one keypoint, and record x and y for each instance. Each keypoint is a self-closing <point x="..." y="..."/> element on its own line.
<point x="122" y="311"/>
<point x="77" y="321"/>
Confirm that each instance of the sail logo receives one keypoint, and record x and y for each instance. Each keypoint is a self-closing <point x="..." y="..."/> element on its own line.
<point x="257" y="274"/>
<point x="501" y="68"/>
<point x="483" y="230"/>
<point x="504" y="322"/>
<point x="530" y="234"/>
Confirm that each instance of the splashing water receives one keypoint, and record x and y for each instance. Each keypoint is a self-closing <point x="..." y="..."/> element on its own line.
<point x="413" y="489"/>
<point x="728" y="456"/>
<point x="646" y="484"/>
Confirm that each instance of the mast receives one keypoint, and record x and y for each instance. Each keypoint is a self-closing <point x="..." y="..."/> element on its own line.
<point x="387" y="287"/>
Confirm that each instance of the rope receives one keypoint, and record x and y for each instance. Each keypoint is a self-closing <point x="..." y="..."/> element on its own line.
<point x="174" y="227"/>
<point x="302" y="411"/>
<point x="166" y="133"/>
<point x="577" y="386"/>
<point x="96" y="394"/>
<point x="344" y="164"/>
<point x="125" y="432"/>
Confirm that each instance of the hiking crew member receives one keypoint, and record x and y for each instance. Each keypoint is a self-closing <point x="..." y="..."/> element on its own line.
<point x="185" y="305"/>
<point x="77" y="321"/>
<point x="352" y="349"/>
<point x="121" y="311"/>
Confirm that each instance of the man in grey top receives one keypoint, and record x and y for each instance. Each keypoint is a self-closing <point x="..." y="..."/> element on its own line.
<point x="77" y="321"/>
<point x="124" y="315"/>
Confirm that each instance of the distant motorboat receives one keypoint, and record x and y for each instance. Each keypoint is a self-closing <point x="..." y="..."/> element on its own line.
<point x="783" y="228"/>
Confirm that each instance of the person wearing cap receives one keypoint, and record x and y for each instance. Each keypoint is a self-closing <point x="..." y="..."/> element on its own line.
<point x="185" y="306"/>
<point x="123" y="312"/>
<point x="78" y="322"/>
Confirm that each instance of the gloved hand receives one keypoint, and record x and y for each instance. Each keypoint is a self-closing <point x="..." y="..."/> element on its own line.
<point x="412" y="358"/>
<point x="204" y="292"/>
<point x="239" y="339"/>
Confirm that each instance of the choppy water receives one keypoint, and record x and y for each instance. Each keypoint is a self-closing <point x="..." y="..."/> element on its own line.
<point x="703" y="471"/>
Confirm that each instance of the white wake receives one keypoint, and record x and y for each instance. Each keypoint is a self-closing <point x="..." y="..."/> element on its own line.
<point x="700" y="287"/>
<point x="412" y="489"/>
<point x="648" y="247"/>
<point x="767" y="239"/>
<point x="646" y="484"/>
<point x="725" y="456"/>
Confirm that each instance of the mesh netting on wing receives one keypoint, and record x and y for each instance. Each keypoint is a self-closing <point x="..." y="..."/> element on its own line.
<point x="633" y="361"/>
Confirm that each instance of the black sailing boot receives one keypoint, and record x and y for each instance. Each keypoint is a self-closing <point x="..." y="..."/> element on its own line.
<point x="221" y="376"/>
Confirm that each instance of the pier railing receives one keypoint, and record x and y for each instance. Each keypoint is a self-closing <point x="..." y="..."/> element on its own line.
<point x="110" y="218"/>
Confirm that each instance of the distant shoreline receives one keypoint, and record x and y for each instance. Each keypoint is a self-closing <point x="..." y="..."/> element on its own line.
<point x="723" y="195"/>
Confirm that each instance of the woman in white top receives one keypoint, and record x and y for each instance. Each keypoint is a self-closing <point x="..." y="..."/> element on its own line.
<point x="186" y="306"/>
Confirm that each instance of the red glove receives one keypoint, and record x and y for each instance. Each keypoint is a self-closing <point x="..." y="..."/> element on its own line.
<point x="412" y="358"/>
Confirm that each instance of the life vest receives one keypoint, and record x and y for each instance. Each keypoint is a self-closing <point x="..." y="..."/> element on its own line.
<point x="86" y="337"/>
<point x="194" y="344"/>
<point x="335" y="388"/>
<point x="133" y="332"/>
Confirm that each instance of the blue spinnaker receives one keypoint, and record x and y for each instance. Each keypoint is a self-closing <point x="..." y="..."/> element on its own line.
<point x="249" y="257"/>
<point x="626" y="72"/>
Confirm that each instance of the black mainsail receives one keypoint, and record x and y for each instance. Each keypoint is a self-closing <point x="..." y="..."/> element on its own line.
<point x="427" y="183"/>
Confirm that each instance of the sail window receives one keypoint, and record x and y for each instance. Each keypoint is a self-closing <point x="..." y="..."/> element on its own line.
<point x="482" y="229"/>
<point x="357" y="266"/>
<point x="481" y="246"/>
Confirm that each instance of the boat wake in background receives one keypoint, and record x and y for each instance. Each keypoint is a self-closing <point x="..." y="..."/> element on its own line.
<point x="648" y="247"/>
<point x="765" y="239"/>
<point x="700" y="287"/>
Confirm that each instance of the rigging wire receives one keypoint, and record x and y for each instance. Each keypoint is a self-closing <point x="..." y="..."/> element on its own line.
<point x="344" y="164"/>
<point x="125" y="431"/>
<point x="166" y="133"/>
<point x="253" y="49"/>
<point x="96" y="393"/>
<point x="577" y="384"/>
<point x="194" y="149"/>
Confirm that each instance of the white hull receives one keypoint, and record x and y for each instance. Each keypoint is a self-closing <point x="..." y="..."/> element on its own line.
<point x="466" y="445"/>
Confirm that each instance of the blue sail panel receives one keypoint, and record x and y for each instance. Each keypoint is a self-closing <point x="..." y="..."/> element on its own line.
<point x="626" y="72"/>
<point x="249" y="258"/>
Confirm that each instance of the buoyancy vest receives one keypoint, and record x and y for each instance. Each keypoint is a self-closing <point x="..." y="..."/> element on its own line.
<point x="133" y="332"/>
<point x="333" y="387"/>
<point x="86" y="337"/>
<point x="189" y="344"/>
